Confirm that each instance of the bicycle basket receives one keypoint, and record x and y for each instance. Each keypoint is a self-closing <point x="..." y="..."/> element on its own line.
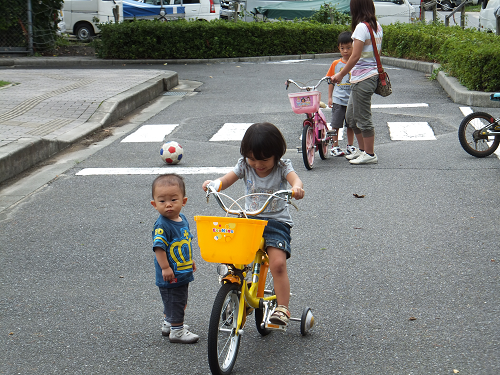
<point x="305" y="102"/>
<point x="227" y="239"/>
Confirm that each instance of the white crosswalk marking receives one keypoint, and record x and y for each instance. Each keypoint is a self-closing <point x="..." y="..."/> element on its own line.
<point x="410" y="131"/>
<point x="150" y="133"/>
<point x="466" y="110"/>
<point x="410" y="105"/>
<point x="231" y="132"/>
<point x="154" y="171"/>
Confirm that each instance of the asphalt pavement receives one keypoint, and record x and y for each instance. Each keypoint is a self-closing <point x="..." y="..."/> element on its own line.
<point x="53" y="102"/>
<point x="403" y="281"/>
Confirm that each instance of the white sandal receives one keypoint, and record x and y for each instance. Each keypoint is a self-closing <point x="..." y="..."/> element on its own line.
<point x="280" y="316"/>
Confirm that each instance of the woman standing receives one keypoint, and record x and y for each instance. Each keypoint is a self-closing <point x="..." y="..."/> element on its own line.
<point x="364" y="77"/>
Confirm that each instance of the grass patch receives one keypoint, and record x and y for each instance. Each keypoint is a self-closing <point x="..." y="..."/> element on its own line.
<point x="4" y="83"/>
<point x="473" y="8"/>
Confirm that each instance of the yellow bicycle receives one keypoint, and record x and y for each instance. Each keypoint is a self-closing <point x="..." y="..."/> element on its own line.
<point x="237" y="245"/>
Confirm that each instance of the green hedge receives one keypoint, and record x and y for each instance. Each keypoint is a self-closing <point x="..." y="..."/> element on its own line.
<point x="183" y="39"/>
<point x="471" y="56"/>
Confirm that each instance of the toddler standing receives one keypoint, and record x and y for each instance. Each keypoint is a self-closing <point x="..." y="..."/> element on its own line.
<point x="173" y="261"/>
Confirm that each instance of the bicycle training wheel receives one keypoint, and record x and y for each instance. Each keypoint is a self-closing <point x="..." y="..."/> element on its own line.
<point x="259" y="313"/>
<point x="308" y="147"/>
<point x="223" y="339"/>
<point x="472" y="141"/>
<point x="323" y="146"/>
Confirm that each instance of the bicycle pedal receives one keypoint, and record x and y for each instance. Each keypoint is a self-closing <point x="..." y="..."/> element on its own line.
<point x="276" y="327"/>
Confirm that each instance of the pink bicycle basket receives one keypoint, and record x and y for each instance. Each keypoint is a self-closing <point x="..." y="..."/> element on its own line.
<point x="305" y="102"/>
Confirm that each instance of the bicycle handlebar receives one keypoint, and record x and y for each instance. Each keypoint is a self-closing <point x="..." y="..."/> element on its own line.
<point x="308" y="88"/>
<point x="285" y="195"/>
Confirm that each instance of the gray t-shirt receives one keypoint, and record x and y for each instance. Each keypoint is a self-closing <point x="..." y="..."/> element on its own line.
<point x="276" y="180"/>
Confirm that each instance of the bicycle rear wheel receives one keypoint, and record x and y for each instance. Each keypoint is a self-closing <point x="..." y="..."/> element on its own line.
<point x="308" y="145"/>
<point x="259" y="313"/>
<point x="223" y="337"/>
<point x="471" y="139"/>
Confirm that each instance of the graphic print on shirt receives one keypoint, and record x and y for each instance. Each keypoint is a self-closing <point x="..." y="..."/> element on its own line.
<point x="257" y="200"/>
<point x="178" y="251"/>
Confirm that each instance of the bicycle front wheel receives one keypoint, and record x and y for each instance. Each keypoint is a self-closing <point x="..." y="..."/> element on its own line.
<point x="323" y="146"/>
<point x="308" y="145"/>
<point x="223" y="337"/>
<point x="471" y="139"/>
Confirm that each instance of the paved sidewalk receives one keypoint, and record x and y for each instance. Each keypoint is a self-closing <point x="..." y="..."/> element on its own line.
<point x="46" y="110"/>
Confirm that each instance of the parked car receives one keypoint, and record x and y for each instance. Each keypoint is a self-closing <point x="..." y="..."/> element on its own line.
<point x="387" y="11"/>
<point x="198" y="9"/>
<point x="490" y="10"/>
<point x="80" y="16"/>
<point x="229" y="7"/>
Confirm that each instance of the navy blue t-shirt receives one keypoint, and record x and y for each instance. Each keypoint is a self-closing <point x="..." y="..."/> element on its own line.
<point x="175" y="238"/>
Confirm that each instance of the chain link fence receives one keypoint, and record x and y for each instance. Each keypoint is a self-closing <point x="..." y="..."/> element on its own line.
<point x="28" y="26"/>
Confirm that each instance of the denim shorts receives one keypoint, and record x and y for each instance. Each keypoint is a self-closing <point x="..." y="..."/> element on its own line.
<point x="277" y="234"/>
<point x="174" y="303"/>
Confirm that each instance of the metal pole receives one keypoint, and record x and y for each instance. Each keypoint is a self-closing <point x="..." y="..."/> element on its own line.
<point x="498" y="26"/>
<point x="30" y="29"/>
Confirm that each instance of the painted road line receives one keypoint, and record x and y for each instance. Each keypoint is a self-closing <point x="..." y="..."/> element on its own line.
<point x="231" y="132"/>
<point x="153" y="171"/>
<point x="466" y="110"/>
<point x="409" y="105"/>
<point x="411" y="131"/>
<point x="150" y="133"/>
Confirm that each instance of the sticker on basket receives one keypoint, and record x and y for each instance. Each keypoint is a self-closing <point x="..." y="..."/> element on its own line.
<point x="223" y="231"/>
<point x="302" y="101"/>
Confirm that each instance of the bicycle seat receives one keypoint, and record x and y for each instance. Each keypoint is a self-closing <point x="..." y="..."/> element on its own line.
<point x="495" y="96"/>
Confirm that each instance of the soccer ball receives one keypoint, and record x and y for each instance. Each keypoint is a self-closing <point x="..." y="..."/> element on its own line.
<point x="171" y="152"/>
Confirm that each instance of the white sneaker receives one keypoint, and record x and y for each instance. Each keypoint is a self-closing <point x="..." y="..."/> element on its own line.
<point x="183" y="336"/>
<point x="336" y="151"/>
<point x="350" y="150"/>
<point x="354" y="155"/>
<point x="165" y="330"/>
<point x="364" y="158"/>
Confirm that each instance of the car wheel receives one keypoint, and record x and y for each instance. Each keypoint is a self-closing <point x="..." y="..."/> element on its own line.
<point x="84" y="31"/>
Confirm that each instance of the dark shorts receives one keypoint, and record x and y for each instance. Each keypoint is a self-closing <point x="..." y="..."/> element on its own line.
<point x="174" y="303"/>
<point x="338" y="115"/>
<point x="277" y="234"/>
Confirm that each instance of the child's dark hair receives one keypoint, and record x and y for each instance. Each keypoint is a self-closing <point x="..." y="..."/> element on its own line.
<point x="169" y="179"/>
<point x="263" y="140"/>
<point x="345" y="37"/>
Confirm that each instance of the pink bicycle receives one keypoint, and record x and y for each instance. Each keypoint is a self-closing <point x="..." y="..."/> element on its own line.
<point x="315" y="129"/>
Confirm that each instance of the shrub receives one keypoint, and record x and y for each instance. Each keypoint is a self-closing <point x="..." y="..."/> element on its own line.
<point x="471" y="56"/>
<point x="183" y="39"/>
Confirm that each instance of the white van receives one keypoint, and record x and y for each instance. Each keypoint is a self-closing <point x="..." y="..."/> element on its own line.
<point x="79" y="15"/>
<point x="391" y="11"/>
<point x="490" y="9"/>
<point x="198" y="9"/>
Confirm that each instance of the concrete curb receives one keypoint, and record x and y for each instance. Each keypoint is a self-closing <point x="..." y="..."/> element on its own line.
<point x="458" y="93"/>
<point x="26" y="152"/>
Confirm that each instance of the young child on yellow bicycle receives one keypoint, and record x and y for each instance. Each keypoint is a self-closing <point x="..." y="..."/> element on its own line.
<point x="263" y="171"/>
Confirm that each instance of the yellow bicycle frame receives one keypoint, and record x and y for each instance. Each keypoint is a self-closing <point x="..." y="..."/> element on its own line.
<point x="251" y="297"/>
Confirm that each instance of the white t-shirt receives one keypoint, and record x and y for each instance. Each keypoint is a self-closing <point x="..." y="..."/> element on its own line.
<point x="366" y="66"/>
